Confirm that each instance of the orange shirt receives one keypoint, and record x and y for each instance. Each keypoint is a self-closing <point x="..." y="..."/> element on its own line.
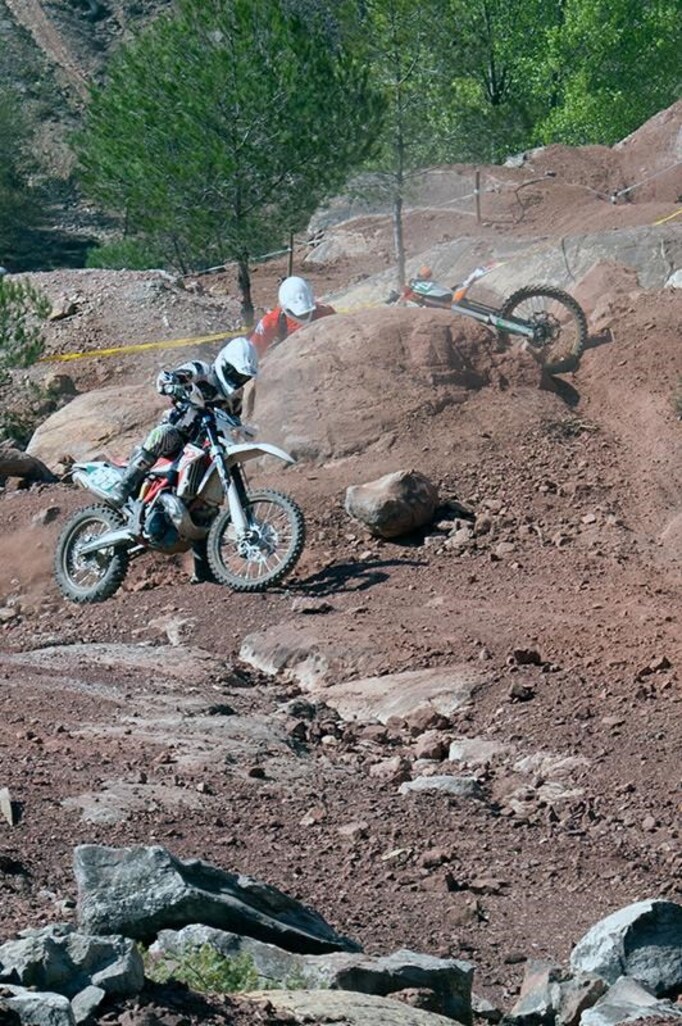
<point x="275" y="326"/>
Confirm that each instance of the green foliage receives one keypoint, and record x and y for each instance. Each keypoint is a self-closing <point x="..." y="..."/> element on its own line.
<point x="131" y="254"/>
<point x="204" y="969"/>
<point x="22" y="408"/>
<point x="20" y="207"/>
<point x="620" y="64"/>
<point x="22" y="307"/>
<point x="223" y="126"/>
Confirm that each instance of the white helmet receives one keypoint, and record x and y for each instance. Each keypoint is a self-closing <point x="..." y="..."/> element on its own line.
<point x="297" y="300"/>
<point x="235" y="365"/>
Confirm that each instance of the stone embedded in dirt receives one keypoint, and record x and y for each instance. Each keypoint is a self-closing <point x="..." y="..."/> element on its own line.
<point x="627" y="1000"/>
<point x="442" y="690"/>
<point x="139" y="891"/>
<point x="476" y="751"/>
<point x="526" y="657"/>
<point x="461" y="787"/>
<point x="431" y="745"/>
<point x="520" y="692"/>
<point x="295" y="651"/>
<point x="395" y="504"/>
<point x="7" y="808"/>
<point x="393" y="771"/>
<point x="351" y="1009"/>
<point x="642" y="941"/>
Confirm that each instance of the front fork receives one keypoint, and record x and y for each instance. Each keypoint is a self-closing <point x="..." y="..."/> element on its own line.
<point x="234" y="487"/>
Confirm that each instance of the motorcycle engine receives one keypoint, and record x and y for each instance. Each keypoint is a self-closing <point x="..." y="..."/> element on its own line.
<point x="159" y="531"/>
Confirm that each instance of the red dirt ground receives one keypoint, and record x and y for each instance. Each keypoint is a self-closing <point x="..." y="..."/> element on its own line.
<point x="581" y="482"/>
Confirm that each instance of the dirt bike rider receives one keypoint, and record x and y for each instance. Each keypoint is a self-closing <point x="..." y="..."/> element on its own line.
<point x="296" y="308"/>
<point x="220" y="384"/>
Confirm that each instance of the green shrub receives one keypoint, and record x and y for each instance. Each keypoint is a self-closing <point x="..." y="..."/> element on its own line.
<point x="22" y="308"/>
<point x="204" y="969"/>
<point x="126" y="254"/>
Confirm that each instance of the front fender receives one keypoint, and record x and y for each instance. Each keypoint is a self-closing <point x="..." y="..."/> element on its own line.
<point x="253" y="451"/>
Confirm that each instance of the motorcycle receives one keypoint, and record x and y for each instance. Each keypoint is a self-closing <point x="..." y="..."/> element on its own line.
<point x="551" y="322"/>
<point x="251" y="544"/>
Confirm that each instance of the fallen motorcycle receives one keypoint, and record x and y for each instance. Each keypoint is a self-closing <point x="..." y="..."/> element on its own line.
<point x="252" y="543"/>
<point x="550" y="321"/>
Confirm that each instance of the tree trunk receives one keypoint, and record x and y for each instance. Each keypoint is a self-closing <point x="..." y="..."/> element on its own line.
<point x="398" y="242"/>
<point x="244" y="278"/>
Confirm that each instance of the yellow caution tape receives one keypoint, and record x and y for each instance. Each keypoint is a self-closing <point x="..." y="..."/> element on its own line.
<point x="175" y="343"/>
<point x="669" y="217"/>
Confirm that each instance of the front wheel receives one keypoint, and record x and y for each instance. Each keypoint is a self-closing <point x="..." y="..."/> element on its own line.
<point x="95" y="576"/>
<point x="269" y="550"/>
<point x="559" y="323"/>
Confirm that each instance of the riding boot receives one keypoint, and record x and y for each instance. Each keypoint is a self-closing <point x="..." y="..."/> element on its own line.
<point x="141" y="460"/>
<point x="202" y="570"/>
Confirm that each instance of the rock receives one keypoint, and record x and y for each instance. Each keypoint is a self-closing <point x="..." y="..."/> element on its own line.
<point x="430" y="695"/>
<point x="626" y="1001"/>
<point x="139" y="891"/>
<point x="476" y="751"/>
<point x="46" y="515"/>
<point x="113" y="418"/>
<point x="61" y="308"/>
<point x="394" y="770"/>
<point x="449" y="980"/>
<point x="431" y="745"/>
<point x="351" y="1009"/>
<point x="393" y="505"/>
<point x="550" y="994"/>
<point x="7" y="810"/>
<point x="274" y="965"/>
<point x="483" y="1009"/>
<point x="34" y="1009"/>
<point x="15" y="463"/>
<point x="59" y="384"/>
<point x="461" y="787"/>
<point x="642" y="941"/>
<point x="58" y="958"/>
<point x="86" y="1002"/>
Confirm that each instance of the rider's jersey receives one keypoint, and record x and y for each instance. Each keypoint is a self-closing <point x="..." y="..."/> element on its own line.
<point x="275" y="326"/>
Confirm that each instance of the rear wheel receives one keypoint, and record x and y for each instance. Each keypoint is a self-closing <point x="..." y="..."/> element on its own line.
<point x="95" y="576"/>
<point x="269" y="551"/>
<point x="559" y="323"/>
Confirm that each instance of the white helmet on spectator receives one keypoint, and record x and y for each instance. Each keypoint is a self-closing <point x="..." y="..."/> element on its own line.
<point x="297" y="300"/>
<point x="235" y="365"/>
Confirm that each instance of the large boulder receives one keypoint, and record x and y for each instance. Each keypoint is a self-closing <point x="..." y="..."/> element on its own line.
<point x="108" y="421"/>
<point x="642" y="941"/>
<point x="139" y="891"/>
<point x="346" y="384"/>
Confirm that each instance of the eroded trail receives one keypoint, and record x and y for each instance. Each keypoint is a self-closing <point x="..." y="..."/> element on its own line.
<point x="31" y="15"/>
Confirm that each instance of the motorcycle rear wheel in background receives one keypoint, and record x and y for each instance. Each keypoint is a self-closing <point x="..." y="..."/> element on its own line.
<point x="271" y="550"/>
<point x="560" y="321"/>
<point x="96" y="576"/>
